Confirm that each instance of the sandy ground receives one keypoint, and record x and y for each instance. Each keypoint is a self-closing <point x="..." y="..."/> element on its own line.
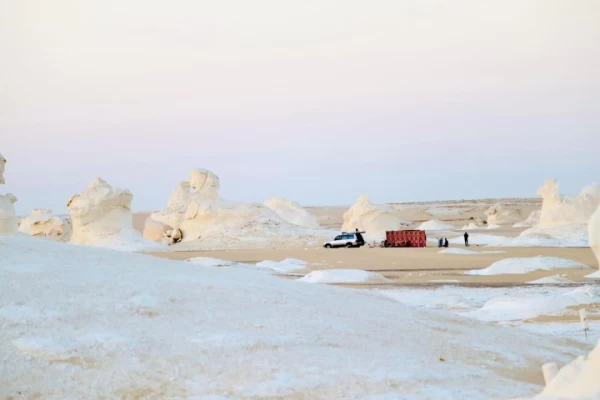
<point x="411" y="266"/>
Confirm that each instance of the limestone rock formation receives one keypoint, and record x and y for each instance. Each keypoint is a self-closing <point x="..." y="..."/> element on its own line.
<point x="532" y="220"/>
<point x="205" y="184"/>
<point x="566" y="218"/>
<point x="375" y="220"/>
<point x="174" y="213"/>
<point x="8" y="216"/>
<point x="155" y="230"/>
<point x="568" y="210"/>
<point x="101" y="216"/>
<point x="197" y="216"/>
<point x="292" y="212"/>
<point x="594" y="233"/>
<point x="499" y="215"/>
<point x="41" y="223"/>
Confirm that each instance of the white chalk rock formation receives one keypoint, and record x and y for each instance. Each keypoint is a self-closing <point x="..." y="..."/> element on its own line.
<point x="174" y="213"/>
<point x="41" y="223"/>
<point x="594" y="233"/>
<point x="532" y="220"/>
<point x="558" y="211"/>
<point x="375" y="220"/>
<point x="292" y="212"/>
<point x="578" y="380"/>
<point x="101" y="216"/>
<point x="205" y="184"/>
<point x="500" y="215"/>
<point x="565" y="219"/>
<point x="202" y="220"/>
<point x="155" y="230"/>
<point x="8" y="216"/>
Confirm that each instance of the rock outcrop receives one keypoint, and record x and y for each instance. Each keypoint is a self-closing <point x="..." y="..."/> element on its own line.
<point x="565" y="219"/>
<point x="532" y="220"/>
<point x="101" y="216"/>
<point x="558" y="211"/>
<point x="41" y="223"/>
<point x="292" y="212"/>
<point x="500" y="215"/>
<point x="197" y="216"/>
<point x="8" y="216"/>
<point x="375" y="220"/>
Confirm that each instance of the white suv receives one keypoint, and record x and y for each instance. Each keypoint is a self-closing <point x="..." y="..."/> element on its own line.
<point x="346" y="240"/>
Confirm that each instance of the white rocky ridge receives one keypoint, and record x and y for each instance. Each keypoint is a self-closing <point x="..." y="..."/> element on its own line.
<point x="8" y="216"/>
<point x="101" y="216"/>
<point x="207" y="221"/>
<point x="375" y="220"/>
<point x="292" y="212"/>
<point x="41" y="223"/>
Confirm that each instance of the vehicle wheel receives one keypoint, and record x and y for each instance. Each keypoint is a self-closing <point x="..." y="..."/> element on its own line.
<point x="349" y="245"/>
<point x="328" y="246"/>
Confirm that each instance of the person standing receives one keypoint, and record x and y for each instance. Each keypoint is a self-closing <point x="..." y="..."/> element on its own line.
<point x="440" y="242"/>
<point x="466" y="239"/>
<point x="445" y="242"/>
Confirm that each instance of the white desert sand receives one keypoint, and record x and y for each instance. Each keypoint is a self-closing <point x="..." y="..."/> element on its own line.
<point x="525" y="265"/>
<point x="134" y="326"/>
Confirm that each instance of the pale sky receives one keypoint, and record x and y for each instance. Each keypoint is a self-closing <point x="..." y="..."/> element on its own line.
<point x="318" y="101"/>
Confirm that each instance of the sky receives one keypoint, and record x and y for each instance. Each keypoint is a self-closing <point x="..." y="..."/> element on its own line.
<point x="318" y="101"/>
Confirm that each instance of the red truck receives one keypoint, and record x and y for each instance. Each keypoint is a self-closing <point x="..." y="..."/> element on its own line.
<point x="407" y="238"/>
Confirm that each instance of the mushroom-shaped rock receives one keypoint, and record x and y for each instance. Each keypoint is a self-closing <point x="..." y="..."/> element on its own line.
<point x="100" y="213"/>
<point x="41" y="223"/>
<point x="292" y="212"/>
<point x="375" y="220"/>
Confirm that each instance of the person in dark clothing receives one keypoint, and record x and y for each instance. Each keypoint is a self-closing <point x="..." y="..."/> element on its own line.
<point x="466" y="239"/>
<point x="440" y="242"/>
<point x="445" y="242"/>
